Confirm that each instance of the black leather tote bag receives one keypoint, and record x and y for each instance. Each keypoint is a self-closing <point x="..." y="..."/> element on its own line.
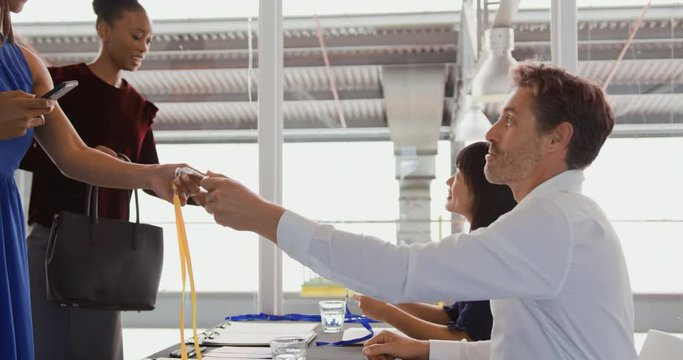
<point x="99" y="263"/>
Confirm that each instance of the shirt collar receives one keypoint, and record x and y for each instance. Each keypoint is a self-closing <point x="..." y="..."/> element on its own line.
<point x="567" y="181"/>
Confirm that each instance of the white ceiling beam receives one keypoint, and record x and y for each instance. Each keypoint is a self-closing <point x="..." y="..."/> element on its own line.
<point x="564" y="35"/>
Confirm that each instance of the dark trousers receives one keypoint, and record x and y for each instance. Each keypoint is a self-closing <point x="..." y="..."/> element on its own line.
<point x="62" y="333"/>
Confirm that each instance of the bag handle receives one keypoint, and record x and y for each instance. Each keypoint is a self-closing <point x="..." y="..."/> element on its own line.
<point x="92" y="199"/>
<point x="134" y="238"/>
<point x="92" y="203"/>
<point x="124" y="157"/>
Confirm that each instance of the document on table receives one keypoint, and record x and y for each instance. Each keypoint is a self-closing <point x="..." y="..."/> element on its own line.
<point x="239" y="352"/>
<point x="257" y="333"/>
<point x="359" y="332"/>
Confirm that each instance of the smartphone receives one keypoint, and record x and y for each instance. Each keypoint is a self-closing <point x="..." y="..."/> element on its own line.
<point x="60" y="90"/>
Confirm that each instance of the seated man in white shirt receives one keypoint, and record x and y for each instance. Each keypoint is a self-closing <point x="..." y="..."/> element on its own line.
<point x="553" y="267"/>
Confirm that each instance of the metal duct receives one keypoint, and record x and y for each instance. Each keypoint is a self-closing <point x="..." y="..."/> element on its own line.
<point x="414" y="107"/>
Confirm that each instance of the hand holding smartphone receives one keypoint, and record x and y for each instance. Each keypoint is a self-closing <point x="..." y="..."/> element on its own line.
<point x="60" y="90"/>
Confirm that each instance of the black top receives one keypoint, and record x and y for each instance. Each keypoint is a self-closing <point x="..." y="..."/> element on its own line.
<point x="473" y="317"/>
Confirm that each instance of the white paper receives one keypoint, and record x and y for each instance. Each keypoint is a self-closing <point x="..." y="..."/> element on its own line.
<point x="231" y="352"/>
<point x="259" y="333"/>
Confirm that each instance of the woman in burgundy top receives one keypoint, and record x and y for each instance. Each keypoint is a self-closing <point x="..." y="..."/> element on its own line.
<point x="108" y="114"/>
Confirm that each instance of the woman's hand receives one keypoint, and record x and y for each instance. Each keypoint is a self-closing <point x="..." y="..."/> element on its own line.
<point x="373" y="308"/>
<point x="161" y="180"/>
<point x="20" y="111"/>
<point x="388" y="345"/>
<point x="188" y="185"/>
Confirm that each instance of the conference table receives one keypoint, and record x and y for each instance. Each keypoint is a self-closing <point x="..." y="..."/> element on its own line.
<point x="314" y="352"/>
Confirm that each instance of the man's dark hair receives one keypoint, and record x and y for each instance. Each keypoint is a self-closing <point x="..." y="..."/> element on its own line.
<point x="561" y="97"/>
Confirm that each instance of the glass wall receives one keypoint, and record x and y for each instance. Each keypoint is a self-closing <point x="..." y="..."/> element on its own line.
<point x="635" y="179"/>
<point x="353" y="188"/>
<point x="638" y="186"/>
<point x="373" y="69"/>
<point x="225" y="260"/>
<point x="355" y="79"/>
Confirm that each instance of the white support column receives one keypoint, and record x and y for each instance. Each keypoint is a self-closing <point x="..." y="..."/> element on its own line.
<point x="564" y="35"/>
<point x="270" y="90"/>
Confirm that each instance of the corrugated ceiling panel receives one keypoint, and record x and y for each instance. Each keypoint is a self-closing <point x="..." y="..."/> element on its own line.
<point x="236" y="113"/>
<point x="660" y="104"/>
<point x="650" y="71"/>
<point x="623" y="105"/>
<point x="243" y="115"/>
<point x="204" y="81"/>
<point x="209" y="81"/>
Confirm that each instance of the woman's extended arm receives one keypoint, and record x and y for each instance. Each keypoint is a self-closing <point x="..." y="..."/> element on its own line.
<point x="408" y="324"/>
<point x="428" y="312"/>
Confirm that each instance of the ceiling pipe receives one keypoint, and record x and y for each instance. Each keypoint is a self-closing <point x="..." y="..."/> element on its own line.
<point x="507" y="9"/>
<point x="491" y="83"/>
<point x="471" y="124"/>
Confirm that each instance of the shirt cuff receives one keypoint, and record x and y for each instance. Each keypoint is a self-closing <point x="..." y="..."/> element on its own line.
<point x="444" y="350"/>
<point x="294" y="234"/>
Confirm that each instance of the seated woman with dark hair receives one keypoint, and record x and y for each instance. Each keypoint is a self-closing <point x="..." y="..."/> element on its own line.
<point x="481" y="203"/>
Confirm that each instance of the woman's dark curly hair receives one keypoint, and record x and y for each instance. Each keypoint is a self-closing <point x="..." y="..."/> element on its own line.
<point x="110" y="10"/>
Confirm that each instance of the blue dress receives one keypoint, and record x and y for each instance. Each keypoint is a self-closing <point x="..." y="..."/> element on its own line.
<point x="16" y="332"/>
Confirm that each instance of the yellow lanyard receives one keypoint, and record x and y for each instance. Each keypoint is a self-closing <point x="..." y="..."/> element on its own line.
<point x="185" y="264"/>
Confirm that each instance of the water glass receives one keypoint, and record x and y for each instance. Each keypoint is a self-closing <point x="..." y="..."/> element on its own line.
<point x="332" y="315"/>
<point x="288" y="348"/>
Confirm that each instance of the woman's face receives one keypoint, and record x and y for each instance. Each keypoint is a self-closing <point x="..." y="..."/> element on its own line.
<point x="16" y="6"/>
<point x="127" y="39"/>
<point x="459" y="198"/>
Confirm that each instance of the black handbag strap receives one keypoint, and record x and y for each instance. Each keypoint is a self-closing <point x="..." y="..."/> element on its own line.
<point x="92" y="198"/>
<point x="91" y="202"/>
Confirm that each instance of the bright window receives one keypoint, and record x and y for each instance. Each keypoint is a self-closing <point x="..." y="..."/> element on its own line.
<point x="225" y="260"/>
<point x="638" y="184"/>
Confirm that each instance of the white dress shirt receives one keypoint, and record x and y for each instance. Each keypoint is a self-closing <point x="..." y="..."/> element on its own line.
<point x="553" y="268"/>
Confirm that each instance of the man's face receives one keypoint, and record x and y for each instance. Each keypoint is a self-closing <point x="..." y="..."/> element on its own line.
<point x="516" y="147"/>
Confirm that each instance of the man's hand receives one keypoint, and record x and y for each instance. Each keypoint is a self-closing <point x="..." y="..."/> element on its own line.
<point x="233" y="205"/>
<point x="200" y="198"/>
<point x="187" y="184"/>
<point x="20" y="111"/>
<point x="373" y="308"/>
<point x="388" y="345"/>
